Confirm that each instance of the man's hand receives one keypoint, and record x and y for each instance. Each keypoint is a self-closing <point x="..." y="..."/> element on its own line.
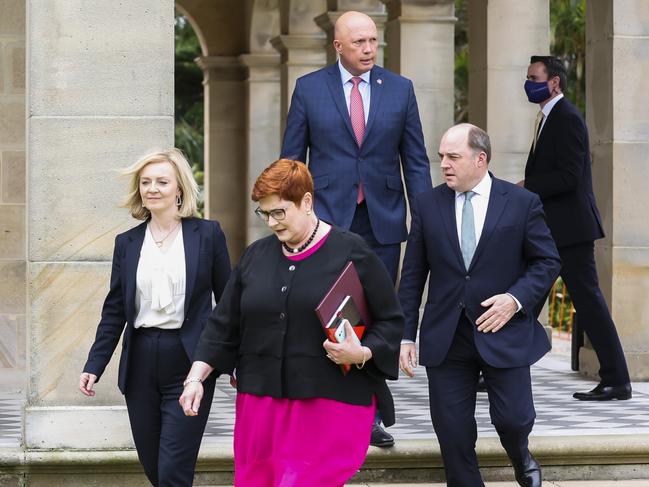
<point x="408" y="358"/>
<point x="86" y="383"/>
<point x="501" y="309"/>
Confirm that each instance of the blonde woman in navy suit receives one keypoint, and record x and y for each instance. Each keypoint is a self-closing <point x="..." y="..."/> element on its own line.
<point x="164" y="274"/>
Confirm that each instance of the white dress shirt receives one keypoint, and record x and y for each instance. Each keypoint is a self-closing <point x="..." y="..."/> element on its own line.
<point x="364" y="88"/>
<point x="548" y="108"/>
<point x="160" y="293"/>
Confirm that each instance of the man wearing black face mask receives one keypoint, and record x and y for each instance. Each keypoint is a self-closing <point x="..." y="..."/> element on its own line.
<point x="558" y="170"/>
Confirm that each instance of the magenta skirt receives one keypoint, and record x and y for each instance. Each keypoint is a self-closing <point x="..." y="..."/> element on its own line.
<point x="299" y="442"/>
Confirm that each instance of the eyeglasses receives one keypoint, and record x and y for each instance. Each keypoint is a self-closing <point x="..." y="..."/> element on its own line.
<point x="278" y="214"/>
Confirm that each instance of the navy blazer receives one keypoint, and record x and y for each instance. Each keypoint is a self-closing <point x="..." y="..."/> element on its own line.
<point x="207" y="271"/>
<point x="318" y="121"/>
<point x="559" y="171"/>
<point x="515" y="254"/>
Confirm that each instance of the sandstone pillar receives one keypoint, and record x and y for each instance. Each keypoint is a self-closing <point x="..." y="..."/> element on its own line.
<point x="502" y="37"/>
<point x="262" y="127"/>
<point x="100" y="94"/>
<point x="12" y="189"/>
<point x="225" y="169"/>
<point x="419" y="34"/>
<point x="617" y="35"/>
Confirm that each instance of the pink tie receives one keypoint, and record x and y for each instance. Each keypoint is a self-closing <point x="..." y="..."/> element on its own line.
<point x="357" y="115"/>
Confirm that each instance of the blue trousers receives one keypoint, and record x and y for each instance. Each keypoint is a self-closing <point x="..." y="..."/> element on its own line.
<point x="166" y="440"/>
<point x="452" y="395"/>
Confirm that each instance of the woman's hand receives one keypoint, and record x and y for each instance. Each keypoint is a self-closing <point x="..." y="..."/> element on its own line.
<point x="348" y="352"/>
<point x="190" y="400"/>
<point x="86" y="383"/>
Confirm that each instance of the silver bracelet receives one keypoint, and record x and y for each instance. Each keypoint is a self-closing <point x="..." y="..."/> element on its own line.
<point x="191" y="379"/>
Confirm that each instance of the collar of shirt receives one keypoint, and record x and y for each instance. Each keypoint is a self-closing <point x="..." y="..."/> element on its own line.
<point x="346" y="76"/>
<point x="483" y="188"/>
<point x="550" y="105"/>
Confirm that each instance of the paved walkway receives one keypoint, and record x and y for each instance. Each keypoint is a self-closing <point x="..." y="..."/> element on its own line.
<point x="558" y="414"/>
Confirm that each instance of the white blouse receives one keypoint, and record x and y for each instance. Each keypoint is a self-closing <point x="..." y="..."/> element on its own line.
<point x="160" y="295"/>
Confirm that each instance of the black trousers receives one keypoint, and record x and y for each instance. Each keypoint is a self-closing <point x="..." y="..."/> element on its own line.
<point x="166" y="440"/>
<point x="389" y="254"/>
<point x="452" y="392"/>
<point x="579" y="273"/>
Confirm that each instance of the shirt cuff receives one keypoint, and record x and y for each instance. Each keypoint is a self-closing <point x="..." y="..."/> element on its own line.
<point x="518" y="303"/>
<point x="405" y="341"/>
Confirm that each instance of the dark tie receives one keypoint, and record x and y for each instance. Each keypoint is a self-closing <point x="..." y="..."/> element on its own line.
<point x="357" y="115"/>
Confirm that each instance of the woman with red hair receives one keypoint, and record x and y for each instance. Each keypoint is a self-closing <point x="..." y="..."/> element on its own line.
<point x="299" y="420"/>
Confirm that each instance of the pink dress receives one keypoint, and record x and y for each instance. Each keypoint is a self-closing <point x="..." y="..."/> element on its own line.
<point x="299" y="442"/>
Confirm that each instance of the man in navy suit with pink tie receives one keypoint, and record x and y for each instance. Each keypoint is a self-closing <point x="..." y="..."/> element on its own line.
<point x="360" y="125"/>
<point x="491" y="259"/>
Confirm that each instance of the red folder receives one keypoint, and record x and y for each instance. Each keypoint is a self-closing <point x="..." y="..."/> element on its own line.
<point x="347" y="284"/>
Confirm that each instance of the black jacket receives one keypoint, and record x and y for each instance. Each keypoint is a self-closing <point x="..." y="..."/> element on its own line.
<point x="559" y="171"/>
<point x="266" y="327"/>
<point x="207" y="271"/>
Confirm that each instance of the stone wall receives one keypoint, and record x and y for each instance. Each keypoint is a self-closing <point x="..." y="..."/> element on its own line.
<point x="12" y="184"/>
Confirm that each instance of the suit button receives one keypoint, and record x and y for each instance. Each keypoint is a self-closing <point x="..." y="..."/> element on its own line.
<point x="467" y="277"/>
<point x="460" y="305"/>
<point x="282" y="316"/>
<point x="291" y="268"/>
<point x="284" y="288"/>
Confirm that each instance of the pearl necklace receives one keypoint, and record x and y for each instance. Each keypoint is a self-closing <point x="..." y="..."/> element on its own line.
<point x="305" y="245"/>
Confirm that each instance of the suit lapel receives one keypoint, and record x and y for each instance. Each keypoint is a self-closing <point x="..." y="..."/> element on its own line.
<point x="191" y="240"/>
<point x="497" y="202"/>
<point x="131" y="261"/>
<point x="447" y="210"/>
<point x="336" y="88"/>
<point x="376" y="91"/>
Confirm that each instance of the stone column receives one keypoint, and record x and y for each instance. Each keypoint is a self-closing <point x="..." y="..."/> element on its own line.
<point x="262" y="127"/>
<point x="498" y="61"/>
<point x="374" y="8"/>
<point x="100" y="94"/>
<point x="617" y="48"/>
<point x="225" y="168"/>
<point x="300" y="54"/>
<point x="419" y="35"/>
<point x="12" y="191"/>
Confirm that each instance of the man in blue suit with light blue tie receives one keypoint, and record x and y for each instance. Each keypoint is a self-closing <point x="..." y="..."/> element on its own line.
<point x="360" y="125"/>
<point x="491" y="260"/>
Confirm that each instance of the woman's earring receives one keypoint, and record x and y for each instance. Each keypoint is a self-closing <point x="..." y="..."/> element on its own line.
<point x="179" y="201"/>
<point x="308" y="212"/>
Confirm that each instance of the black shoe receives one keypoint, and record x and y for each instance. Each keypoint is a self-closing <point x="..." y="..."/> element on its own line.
<point x="482" y="387"/>
<point x="380" y="437"/>
<point x="528" y="473"/>
<point x="605" y="393"/>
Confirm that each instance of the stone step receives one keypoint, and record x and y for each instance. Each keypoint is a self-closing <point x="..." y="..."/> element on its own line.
<point x="569" y="458"/>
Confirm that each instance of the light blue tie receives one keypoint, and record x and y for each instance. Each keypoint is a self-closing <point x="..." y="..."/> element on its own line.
<point x="467" y="243"/>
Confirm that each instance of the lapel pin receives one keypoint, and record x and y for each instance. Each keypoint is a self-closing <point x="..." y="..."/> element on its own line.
<point x="379" y="81"/>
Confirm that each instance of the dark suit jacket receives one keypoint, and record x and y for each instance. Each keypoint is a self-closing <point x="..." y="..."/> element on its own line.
<point x="207" y="271"/>
<point x="559" y="172"/>
<point x="319" y="121"/>
<point x="515" y="254"/>
<point x="266" y="325"/>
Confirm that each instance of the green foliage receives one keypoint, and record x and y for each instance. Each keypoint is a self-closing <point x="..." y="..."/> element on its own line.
<point x="461" y="106"/>
<point x="560" y="317"/>
<point x="568" y="42"/>
<point x="189" y="98"/>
